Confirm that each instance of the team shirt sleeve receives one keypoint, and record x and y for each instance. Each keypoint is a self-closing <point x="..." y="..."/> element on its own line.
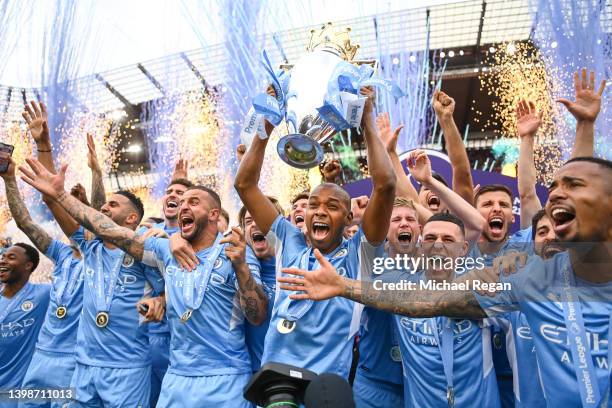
<point x="509" y="300"/>
<point x="157" y="254"/>
<point x="366" y="253"/>
<point x="290" y="240"/>
<point x="58" y="251"/>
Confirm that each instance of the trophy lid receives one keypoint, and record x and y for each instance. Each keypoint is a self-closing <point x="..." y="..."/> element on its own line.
<point x="334" y="40"/>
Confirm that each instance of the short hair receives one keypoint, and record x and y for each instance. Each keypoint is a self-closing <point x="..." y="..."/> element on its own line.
<point x="602" y="162"/>
<point x="212" y="193"/>
<point x="155" y="220"/>
<point x="534" y="222"/>
<point x="181" y="181"/>
<point x="447" y="217"/>
<point x="439" y="177"/>
<point x="135" y="201"/>
<point x="225" y="214"/>
<point x="243" y="210"/>
<point x="301" y="196"/>
<point x="346" y="198"/>
<point x="490" y="188"/>
<point x="31" y="253"/>
<point x="403" y="202"/>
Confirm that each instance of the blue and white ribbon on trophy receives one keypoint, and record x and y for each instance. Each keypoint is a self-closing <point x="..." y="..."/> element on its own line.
<point x="266" y="106"/>
<point x="342" y="107"/>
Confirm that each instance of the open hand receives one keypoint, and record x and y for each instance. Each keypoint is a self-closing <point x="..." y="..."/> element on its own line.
<point x="384" y="132"/>
<point x="588" y="101"/>
<point x="528" y="119"/>
<point x="323" y="283"/>
<point x="52" y="185"/>
<point x="36" y="117"/>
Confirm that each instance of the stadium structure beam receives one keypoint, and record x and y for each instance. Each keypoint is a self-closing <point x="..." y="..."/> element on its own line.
<point x="151" y="78"/>
<point x="195" y="70"/>
<point x="118" y="95"/>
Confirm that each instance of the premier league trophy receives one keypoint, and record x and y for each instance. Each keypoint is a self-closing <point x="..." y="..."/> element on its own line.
<point x="317" y="96"/>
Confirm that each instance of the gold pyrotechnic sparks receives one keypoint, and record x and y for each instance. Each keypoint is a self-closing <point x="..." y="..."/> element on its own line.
<point x="516" y="71"/>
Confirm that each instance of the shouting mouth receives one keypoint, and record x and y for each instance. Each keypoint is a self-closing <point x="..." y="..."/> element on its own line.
<point x="404" y="237"/>
<point x="496" y="225"/>
<point x="299" y="220"/>
<point x="259" y="240"/>
<point x="562" y="218"/>
<point x="433" y="202"/>
<point x="320" y="230"/>
<point x="186" y="223"/>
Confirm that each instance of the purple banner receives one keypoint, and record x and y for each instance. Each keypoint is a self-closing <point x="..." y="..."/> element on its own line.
<point x="441" y="164"/>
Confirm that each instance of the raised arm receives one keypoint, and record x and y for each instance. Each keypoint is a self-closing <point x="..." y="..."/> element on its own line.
<point x="19" y="211"/>
<point x="585" y="109"/>
<point x="98" y="195"/>
<point x="527" y="123"/>
<point x="52" y="185"/>
<point x="377" y="214"/>
<point x="246" y="184"/>
<point x="420" y="168"/>
<point x="253" y="300"/>
<point x="35" y="115"/>
<point x="403" y="187"/>
<point x="444" y="106"/>
<point x="326" y="283"/>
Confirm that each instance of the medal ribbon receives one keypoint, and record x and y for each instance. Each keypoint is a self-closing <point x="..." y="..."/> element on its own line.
<point x="191" y="302"/>
<point x="15" y="300"/>
<point x="293" y="310"/>
<point x="67" y="282"/>
<point x="104" y="298"/>
<point x="446" y="350"/>
<point x="583" y="366"/>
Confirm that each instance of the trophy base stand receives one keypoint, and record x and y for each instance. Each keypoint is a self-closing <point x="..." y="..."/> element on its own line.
<point x="299" y="151"/>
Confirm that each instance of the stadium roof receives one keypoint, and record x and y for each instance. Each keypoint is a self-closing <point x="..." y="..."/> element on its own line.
<point x="462" y="24"/>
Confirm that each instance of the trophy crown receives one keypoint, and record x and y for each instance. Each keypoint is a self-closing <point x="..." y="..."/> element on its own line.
<point x="333" y="39"/>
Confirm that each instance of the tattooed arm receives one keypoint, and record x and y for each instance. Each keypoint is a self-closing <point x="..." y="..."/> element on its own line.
<point x="19" y="211"/>
<point x="253" y="300"/>
<point x="103" y="226"/>
<point x="325" y="283"/>
<point x="53" y="186"/>
<point x="415" y="303"/>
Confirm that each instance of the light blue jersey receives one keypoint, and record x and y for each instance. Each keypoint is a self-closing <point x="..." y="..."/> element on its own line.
<point x="316" y="335"/>
<point x="21" y="318"/>
<point x="527" y="385"/>
<point x="539" y="291"/>
<point x="255" y="335"/>
<point x="59" y="335"/>
<point x="124" y="342"/>
<point x="211" y="341"/>
<point x="57" y="339"/>
<point x="473" y="374"/>
<point x="378" y="380"/>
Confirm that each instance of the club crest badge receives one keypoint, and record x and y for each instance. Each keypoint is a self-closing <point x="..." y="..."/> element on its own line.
<point x="218" y="263"/>
<point x="27" y="306"/>
<point x="341" y="253"/>
<point x="128" y="261"/>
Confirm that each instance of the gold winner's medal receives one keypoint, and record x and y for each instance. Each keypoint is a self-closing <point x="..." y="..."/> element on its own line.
<point x="102" y="319"/>
<point x="285" y="326"/>
<point x="61" y="312"/>
<point x="186" y="316"/>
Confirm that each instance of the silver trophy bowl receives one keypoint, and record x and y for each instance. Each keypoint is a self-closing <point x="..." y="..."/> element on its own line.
<point x="310" y="77"/>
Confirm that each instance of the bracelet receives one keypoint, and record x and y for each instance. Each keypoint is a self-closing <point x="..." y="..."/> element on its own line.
<point x="43" y="151"/>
